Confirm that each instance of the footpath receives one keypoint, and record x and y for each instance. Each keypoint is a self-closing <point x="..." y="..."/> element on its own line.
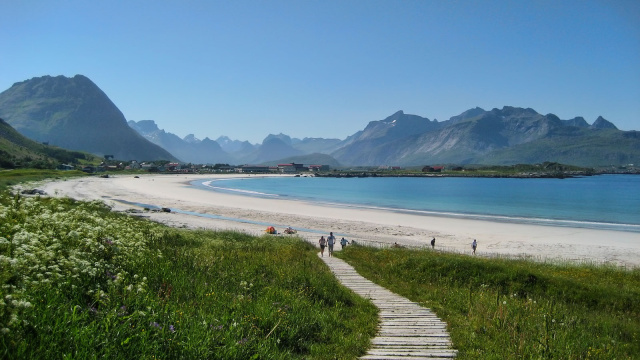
<point x="406" y="329"/>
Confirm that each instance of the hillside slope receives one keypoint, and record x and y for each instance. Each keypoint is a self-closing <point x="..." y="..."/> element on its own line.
<point x="73" y="113"/>
<point x="17" y="151"/>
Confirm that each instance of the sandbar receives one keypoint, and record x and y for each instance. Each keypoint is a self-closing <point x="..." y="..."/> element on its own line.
<point x="224" y="211"/>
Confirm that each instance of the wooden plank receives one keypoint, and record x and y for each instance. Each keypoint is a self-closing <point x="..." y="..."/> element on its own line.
<point x="406" y="329"/>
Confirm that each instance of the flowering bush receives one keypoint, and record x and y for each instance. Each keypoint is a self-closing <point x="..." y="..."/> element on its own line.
<point x="76" y="249"/>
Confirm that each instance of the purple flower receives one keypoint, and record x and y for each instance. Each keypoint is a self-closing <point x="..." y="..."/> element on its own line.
<point x="244" y="340"/>
<point x="156" y="325"/>
<point x="171" y="328"/>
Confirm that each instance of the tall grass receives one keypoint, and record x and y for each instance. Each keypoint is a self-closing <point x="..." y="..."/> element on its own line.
<point x="81" y="282"/>
<point x="510" y="309"/>
<point x="10" y="178"/>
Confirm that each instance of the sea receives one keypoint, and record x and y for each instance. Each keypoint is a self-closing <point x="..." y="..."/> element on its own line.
<point x="610" y="202"/>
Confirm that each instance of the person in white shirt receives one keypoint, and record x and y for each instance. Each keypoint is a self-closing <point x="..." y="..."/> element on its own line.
<point x="330" y="241"/>
<point x="322" y="243"/>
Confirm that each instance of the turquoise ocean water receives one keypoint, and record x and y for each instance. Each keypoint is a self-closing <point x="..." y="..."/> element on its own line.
<point x="601" y="202"/>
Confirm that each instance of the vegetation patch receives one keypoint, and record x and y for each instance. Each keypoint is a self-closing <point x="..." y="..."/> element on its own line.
<point x="511" y="309"/>
<point x="80" y="281"/>
<point x="9" y="178"/>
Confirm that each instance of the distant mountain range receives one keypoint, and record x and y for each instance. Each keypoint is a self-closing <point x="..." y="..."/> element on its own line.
<point x="224" y="150"/>
<point x="500" y="136"/>
<point x="74" y="113"/>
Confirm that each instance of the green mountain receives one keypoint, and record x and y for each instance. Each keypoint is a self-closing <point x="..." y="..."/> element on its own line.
<point x="581" y="147"/>
<point x="17" y="151"/>
<point x="73" y="113"/>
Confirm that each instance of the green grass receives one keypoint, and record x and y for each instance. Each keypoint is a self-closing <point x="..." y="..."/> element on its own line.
<point x="10" y="178"/>
<point x="510" y="309"/>
<point x="81" y="282"/>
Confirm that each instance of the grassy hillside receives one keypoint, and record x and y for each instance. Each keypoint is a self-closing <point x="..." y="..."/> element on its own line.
<point x="590" y="148"/>
<point x="17" y="151"/>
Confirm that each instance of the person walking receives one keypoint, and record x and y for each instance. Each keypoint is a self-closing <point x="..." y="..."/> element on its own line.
<point x="474" y="245"/>
<point x="343" y="242"/>
<point x="433" y="243"/>
<point x="331" y="240"/>
<point x="322" y="243"/>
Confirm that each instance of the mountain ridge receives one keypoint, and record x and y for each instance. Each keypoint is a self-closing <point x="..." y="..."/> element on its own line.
<point x="75" y="114"/>
<point x="477" y="136"/>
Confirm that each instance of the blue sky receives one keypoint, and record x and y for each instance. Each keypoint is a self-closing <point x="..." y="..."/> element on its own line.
<point x="326" y="68"/>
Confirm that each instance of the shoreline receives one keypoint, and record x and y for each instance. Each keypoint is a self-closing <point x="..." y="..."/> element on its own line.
<point x="378" y="227"/>
<point x="498" y="218"/>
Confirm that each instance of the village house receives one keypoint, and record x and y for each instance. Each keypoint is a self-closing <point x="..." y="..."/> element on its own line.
<point x="317" y="168"/>
<point x="253" y="169"/>
<point x="291" y="168"/>
<point x="173" y="166"/>
<point x="134" y="165"/>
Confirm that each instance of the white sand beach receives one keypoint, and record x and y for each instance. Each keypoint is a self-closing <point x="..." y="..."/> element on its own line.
<point x="377" y="227"/>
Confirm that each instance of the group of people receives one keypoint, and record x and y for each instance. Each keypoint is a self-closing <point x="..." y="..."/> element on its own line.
<point x="474" y="245"/>
<point x="329" y="242"/>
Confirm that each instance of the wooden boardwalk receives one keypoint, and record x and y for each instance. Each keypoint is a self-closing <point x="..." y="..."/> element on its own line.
<point x="406" y="330"/>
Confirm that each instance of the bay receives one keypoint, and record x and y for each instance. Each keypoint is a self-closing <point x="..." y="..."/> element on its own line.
<point x="603" y="202"/>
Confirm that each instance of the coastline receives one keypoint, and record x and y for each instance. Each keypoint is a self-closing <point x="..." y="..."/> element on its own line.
<point x="224" y="211"/>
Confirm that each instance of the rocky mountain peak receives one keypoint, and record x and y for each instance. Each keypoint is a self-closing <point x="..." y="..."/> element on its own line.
<point x="144" y="126"/>
<point x="602" y="123"/>
<point x="282" y="137"/>
<point x="469" y="114"/>
<point x="577" y="121"/>
<point x="191" y="139"/>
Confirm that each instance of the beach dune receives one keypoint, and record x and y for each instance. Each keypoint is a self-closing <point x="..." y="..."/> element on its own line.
<point x="223" y="211"/>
